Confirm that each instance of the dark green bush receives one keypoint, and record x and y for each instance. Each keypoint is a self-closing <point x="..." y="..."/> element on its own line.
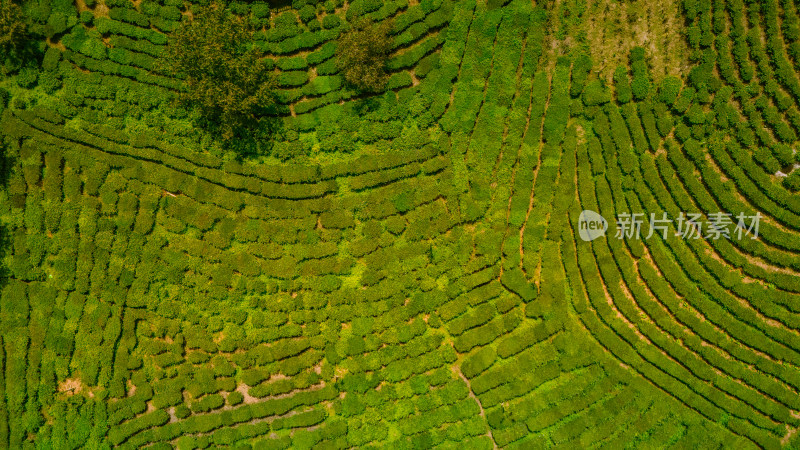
<point x="640" y="85"/>
<point x="51" y="58"/>
<point x="580" y="71"/>
<point x="330" y="22"/>
<point x="307" y="13"/>
<point x="293" y="78"/>
<point x="360" y="7"/>
<point x="207" y="403"/>
<point x="669" y="90"/>
<point x="27" y="77"/>
<point x="479" y="362"/>
<point x="235" y="398"/>
<point x="129" y="15"/>
<point x="295" y="63"/>
<point x="260" y="9"/>
<point x="622" y="85"/>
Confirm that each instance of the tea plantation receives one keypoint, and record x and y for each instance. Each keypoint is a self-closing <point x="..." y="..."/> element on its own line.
<point x="404" y="269"/>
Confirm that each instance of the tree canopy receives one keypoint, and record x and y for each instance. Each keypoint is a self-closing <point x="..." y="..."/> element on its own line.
<point x="12" y="25"/>
<point x="227" y="79"/>
<point x="12" y="36"/>
<point x="362" y="54"/>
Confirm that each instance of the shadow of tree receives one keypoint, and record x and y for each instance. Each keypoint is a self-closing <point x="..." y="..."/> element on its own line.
<point x="27" y="54"/>
<point x="279" y="4"/>
<point x="249" y="141"/>
<point x="367" y="103"/>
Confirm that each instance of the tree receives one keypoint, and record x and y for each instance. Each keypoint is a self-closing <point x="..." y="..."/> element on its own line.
<point x="362" y="52"/>
<point x="15" y="49"/>
<point x="12" y="26"/>
<point x="228" y="81"/>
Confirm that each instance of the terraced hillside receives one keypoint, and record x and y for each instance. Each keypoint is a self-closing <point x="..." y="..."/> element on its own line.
<point x="404" y="269"/>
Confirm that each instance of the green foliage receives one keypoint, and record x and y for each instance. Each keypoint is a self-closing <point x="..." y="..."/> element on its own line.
<point x="12" y="26"/>
<point x="331" y="21"/>
<point x="362" y="54"/>
<point x="792" y="182"/>
<point x="351" y="405"/>
<point x="596" y="93"/>
<point x="478" y="362"/>
<point x="235" y="398"/>
<point x="555" y="120"/>
<point x="4" y="98"/>
<point x="640" y="85"/>
<point x="622" y="85"/>
<point x="226" y="79"/>
<point x="580" y="71"/>
<point x="515" y="281"/>
<point x="27" y="78"/>
<point x="669" y="90"/>
<point x="307" y="13"/>
<point x="359" y="8"/>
